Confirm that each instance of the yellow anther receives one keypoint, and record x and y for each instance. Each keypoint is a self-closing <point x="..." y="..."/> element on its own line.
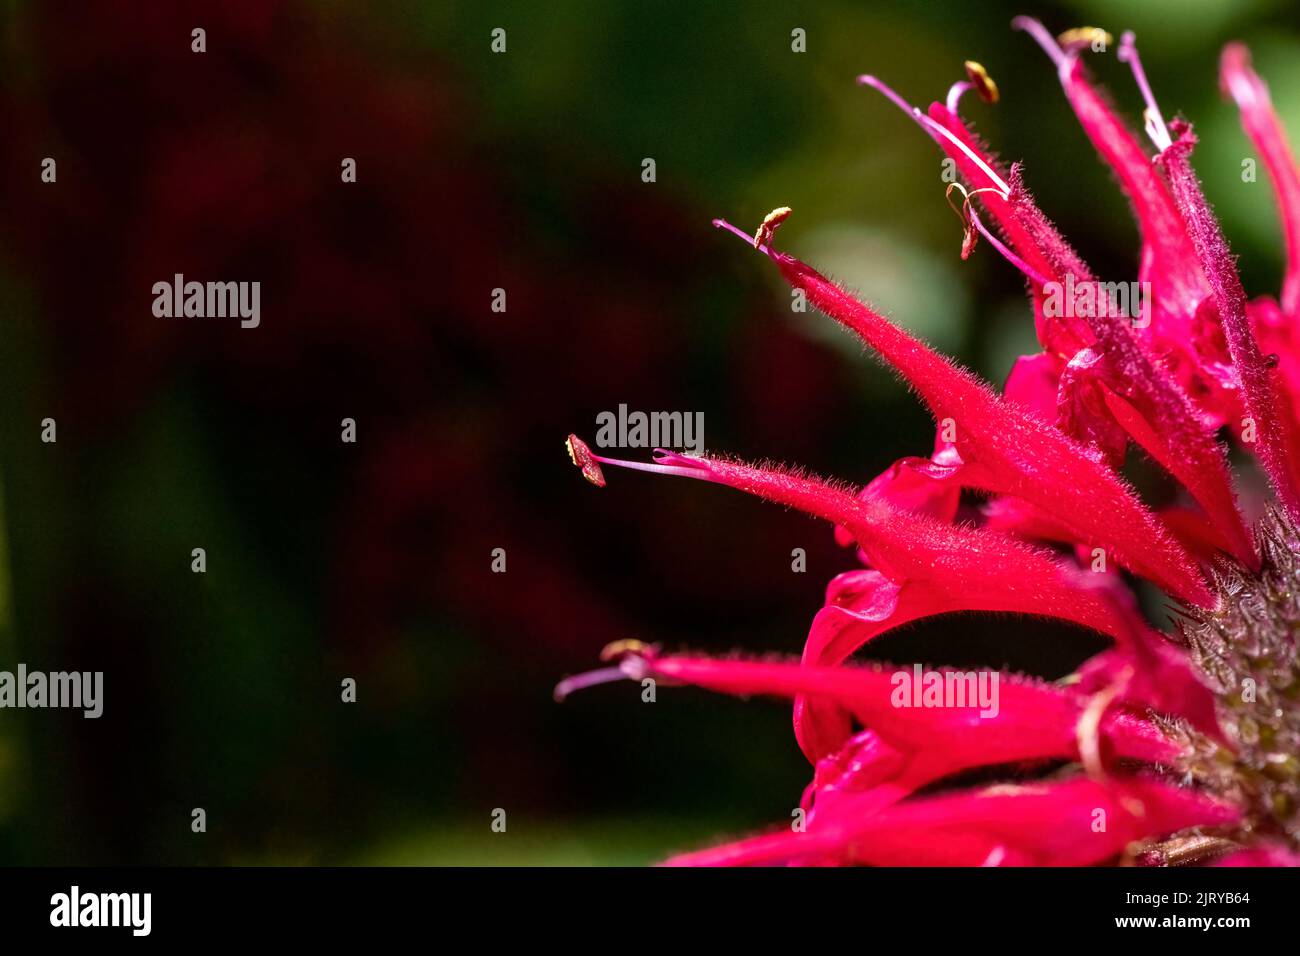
<point x="770" y="224"/>
<point x="617" y="649"/>
<point x="981" y="82"/>
<point x="1094" y="37"/>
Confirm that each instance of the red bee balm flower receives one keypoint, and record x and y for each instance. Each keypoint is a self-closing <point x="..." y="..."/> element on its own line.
<point x="1163" y="749"/>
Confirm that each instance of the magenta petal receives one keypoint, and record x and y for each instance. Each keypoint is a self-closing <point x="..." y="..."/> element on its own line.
<point x="1261" y="856"/>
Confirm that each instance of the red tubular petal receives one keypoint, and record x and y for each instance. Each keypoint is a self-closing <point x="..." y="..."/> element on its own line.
<point x="1200" y="463"/>
<point x="1203" y="467"/>
<point x="866" y="775"/>
<point x="1260" y="121"/>
<point x="1033" y="383"/>
<point x="1117" y="384"/>
<point x="924" y="485"/>
<point x="920" y="485"/>
<point x="1053" y="824"/>
<point x="1168" y="427"/>
<point x="1011" y="451"/>
<point x="1193" y="529"/>
<point x="1076" y="822"/>
<point x="1024" y="520"/>
<point x="861" y="605"/>
<point x="1192" y="456"/>
<point x="1158" y="675"/>
<point x="1169" y="256"/>
<point x="955" y="568"/>
<point x="983" y="570"/>
<point x="770" y="849"/>
<point x="1033" y="720"/>
<point x="1279" y="335"/>
<point x="1276" y="444"/>
<point x="1169" y="261"/>
<point x="1081" y="410"/>
<point x="928" y="486"/>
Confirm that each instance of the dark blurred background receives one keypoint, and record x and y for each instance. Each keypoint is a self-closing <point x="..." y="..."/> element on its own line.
<point x="479" y="170"/>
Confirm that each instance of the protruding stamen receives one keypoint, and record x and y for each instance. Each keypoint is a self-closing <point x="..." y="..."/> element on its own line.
<point x="667" y="463"/>
<point x="935" y="129"/>
<point x="1153" y="120"/>
<point x="1029" y="272"/>
<point x="955" y="93"/>
<point x="974" y="226"/>
<point x="1042" y="37"/>
<point x="982" y="83"/>
<point x="939" y="130"/>
<point x="977" y="79"/>
<point x="741" y="234"/>
<point x="605" y="675"/>
<point x="635" y="661"/>
<point x="866" y="79"/>
<point x="964" y="213"/>
<point x="771" y="222"/>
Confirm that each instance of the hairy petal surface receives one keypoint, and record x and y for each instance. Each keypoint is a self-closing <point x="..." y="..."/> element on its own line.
<point x="1011" y="451"/>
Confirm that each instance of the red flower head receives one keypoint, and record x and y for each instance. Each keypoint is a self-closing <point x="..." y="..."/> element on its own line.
<point x="1164" y="748"/>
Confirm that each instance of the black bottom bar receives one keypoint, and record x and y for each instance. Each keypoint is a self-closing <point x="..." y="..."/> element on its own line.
<point x="336" y="905"/>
